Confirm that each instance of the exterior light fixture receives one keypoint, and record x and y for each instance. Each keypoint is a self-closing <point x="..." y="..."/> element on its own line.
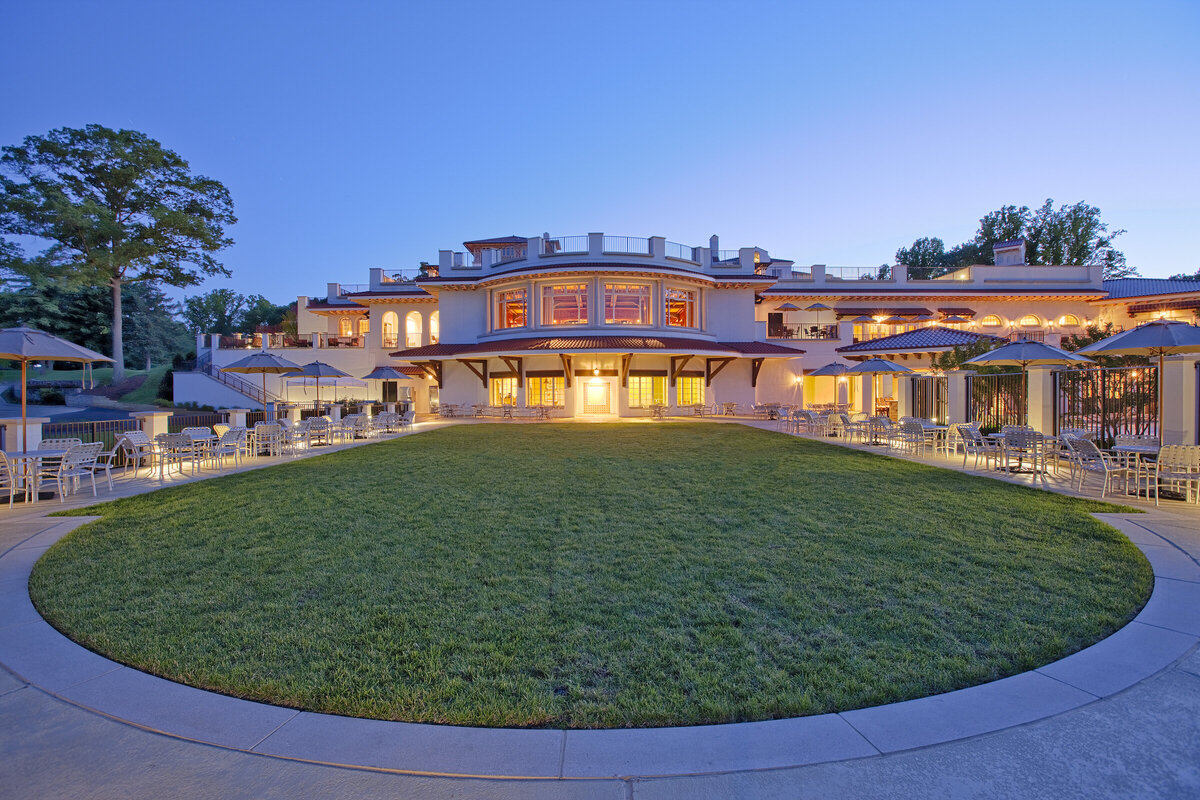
<point x="595" y="372"/>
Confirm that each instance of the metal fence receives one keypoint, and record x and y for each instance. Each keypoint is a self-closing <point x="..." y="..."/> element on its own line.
<point x="680" y="251"/>
<point x="102" y="430"/>
<point x="997" y="400"/>
<point x="930" y="398"/>
<point x="627" y="244"/>
<point x="178" y="422"/>
<point x="1107" y="401"/>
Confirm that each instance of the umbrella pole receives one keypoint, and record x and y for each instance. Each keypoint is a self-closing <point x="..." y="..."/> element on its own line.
<point x="24" y="433"/>
<point x="1160" y="398"/>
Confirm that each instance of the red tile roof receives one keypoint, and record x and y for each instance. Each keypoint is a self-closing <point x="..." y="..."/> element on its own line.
<point x="934" y="338"/>
<point x="564" y="344"/>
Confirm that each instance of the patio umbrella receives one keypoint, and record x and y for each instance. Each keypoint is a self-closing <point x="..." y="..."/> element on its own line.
<point x="818" y="307"/>
<point x="29" y="344"/>
<point x="1027" y="354"/>
<point x="876" y="366"/>
<point x="263" y="363"/>
<point x="955" y="320"/>
<point x="318" y="370"/>
<point x="385" y="374"/>
<point x="832" y="369"/>
<point x="1159" y="338"/>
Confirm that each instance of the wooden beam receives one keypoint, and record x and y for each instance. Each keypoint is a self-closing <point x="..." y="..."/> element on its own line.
<point x="433" y="369"/>
<point x="755" y="366"/>
<point x="481" y="372"/>
<point x="676" y="371"/>
<point x="626" y="360"/>
<point x="516" y="365"/>
<point x="710" y="373"/>
<point x="566" y="359"/>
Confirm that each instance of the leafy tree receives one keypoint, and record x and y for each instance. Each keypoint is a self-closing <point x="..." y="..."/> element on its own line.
<point x="957" y="358"/>
<point x="116" y="207"/>
<point x="219" y="311"/>
<point x="1094" y="333"/>
<point x="1183" y="276"/>
<point x="155" y="335"/>
<point x="260" y="311"/>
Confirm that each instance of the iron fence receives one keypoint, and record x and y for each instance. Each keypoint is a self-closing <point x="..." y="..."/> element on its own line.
<point x="177" y="422"/>
<point x="101" y="430"/>
<point x="930" y="395"/>
<point x="997" y="400"/>
<point x="1107" y="401"/>
<point x="627" y="244"/>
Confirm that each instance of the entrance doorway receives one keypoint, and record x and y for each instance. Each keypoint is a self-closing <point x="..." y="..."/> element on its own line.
<point x="597" y="396"/>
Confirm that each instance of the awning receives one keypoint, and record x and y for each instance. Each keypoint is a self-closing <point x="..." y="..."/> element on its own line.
<point x="876" y="311"/>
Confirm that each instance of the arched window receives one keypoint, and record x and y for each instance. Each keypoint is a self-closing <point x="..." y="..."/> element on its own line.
<point x="343" y="326"/>
<point x="391" y="329"/>
<point x="991" y="321"/>
<point x="1069" y="321"/>
<point x="412" y="329"/>
<point x="1030" y="321"/>
<point x="435" y="328"/>
<point x="364" y="326"/>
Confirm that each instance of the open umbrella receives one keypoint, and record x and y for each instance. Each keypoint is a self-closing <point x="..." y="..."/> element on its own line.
<point x="318" y="370"/>
<point x="1159" y="338"/>
<point x="818" y="308"/>
<point x="29" y="344"/>
<point x="1027" y="354"/>
<point x="263" y="363"/>
<point x="385" y="374"/>
<point x="876" y="366"/>
<point x="832" y="369"/>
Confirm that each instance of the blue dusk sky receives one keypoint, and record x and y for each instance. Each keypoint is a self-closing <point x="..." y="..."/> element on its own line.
<point x="354" y="135"/>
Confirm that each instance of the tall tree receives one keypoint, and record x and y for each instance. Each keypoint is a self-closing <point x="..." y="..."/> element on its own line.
<point x="155" y="335"/>
<point x="218" y="311"/>
<point x="116" y="207"/>
<point x="260" y="311"/>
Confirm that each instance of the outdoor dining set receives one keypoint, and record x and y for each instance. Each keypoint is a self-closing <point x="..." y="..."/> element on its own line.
<point x="63" y="465"/>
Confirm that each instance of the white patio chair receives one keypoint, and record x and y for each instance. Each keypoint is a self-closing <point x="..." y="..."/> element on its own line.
<point x="1178" y="467"/>
<point x="59" y="444"/>
<point x="1090" y="458"/>
<point x="976" y="444"/>
<point x="8" y="478"/>
<point x="135" y="446"/>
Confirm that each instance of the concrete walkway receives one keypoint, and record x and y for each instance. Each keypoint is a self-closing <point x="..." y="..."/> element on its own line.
<point x="1121" y="719"/>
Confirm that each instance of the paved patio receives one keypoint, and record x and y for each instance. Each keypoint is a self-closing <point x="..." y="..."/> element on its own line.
<point x="1120" y="719"/>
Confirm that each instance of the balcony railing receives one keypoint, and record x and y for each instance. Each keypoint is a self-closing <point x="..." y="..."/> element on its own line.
<point x="285" y="341"/>
<point x="1027" y="336"/>
<point x="681" y="251"/>
<point x="883" y="273"/>
<point x="784" y="273"/>
<point x="401" y="276"/>
<point x="803" y="332"/>
<point x="937" y="274"/>
<point x="633" y="245"/>
<point x="557" y="245"/>
<point x="329" y="340"/>
<point x="351" y="288"/>
<point x="726" y="255"/>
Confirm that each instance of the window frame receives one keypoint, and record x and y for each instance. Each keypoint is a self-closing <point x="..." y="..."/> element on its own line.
<point x="645" y="305"/>
<point x="547" y="308"/>
<point x="501" y="302"/>
<point x="693" y="301"/>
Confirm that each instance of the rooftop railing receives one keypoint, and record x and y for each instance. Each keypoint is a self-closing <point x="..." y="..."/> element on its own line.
<point x="557" y="245"/>
<point x="680" y="251"/>
<point x="633" y="245"/>
<point x="937" y="274"/>
<point x="726" y="255"/>
<point x="883" y="273"/>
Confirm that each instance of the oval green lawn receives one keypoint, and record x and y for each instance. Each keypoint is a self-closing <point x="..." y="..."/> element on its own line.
<point x="591" y="576"/>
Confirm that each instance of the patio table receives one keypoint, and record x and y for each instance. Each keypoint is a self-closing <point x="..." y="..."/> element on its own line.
<point x="658" y="411"/>
<point x="25" y="464"/>
<point x="729" y="409"/>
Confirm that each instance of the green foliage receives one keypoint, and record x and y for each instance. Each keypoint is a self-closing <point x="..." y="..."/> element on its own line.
<point x="1183" y="276"/>
<point x="578" y="576"/>
<point x="1094" y="333"/>
<point x="1069" y="235"/>
<point x="114" y="207"/>
<point x="225" y="311"/>
<point x="166" y="387"/>
<point x="957" y="358"/>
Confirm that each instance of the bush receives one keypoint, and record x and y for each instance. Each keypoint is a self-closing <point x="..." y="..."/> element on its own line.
<point x="166" y="387"/>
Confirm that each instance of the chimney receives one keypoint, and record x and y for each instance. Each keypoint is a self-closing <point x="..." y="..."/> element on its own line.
<point x="714" y="247"/>
<point x="1009" y="254"/>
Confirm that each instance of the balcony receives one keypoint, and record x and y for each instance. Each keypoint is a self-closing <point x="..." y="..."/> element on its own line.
<point x="274" y="341"/>
<point x="627" y="245"/>
<point x="809" y="332"/>
<point x="1027" y="336"/>
<point x="882" y="273"/>
<point x="329" y="340"/>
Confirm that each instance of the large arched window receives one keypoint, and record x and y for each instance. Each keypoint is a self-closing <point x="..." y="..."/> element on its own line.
<point x="991" y="321"/>
<point x="343" y="326"/>
<point x="364" y="326"/>
<point x="412" y="329"/>
<point x="1069" y="321"/>
<point x="1030" y="321"/>
<point x="435" y="328"/>
<point x="391" y="329"/>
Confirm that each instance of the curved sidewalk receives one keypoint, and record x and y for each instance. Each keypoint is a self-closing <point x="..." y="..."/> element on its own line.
<point x="1167" y="630"/>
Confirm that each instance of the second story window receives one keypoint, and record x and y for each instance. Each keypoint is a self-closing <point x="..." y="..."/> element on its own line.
<point x="681" y="308"/>
<point x="512" y="309"/>
<point x="412" y="329"/>
<point x="626" y="304"/>
<point x="565" y="305"/>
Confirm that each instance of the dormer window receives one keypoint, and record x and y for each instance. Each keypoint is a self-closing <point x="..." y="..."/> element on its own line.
<point x="512" y="309"/>
<point x="680" y="308"/>
<point x="565" y="305"/>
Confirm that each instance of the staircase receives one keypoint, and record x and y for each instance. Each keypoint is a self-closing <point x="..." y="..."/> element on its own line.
<point x="239" y="384"/>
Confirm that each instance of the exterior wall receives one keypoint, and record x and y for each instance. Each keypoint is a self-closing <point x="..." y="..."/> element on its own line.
<point x="205" y="390"/>
<point x="731" y="315"/>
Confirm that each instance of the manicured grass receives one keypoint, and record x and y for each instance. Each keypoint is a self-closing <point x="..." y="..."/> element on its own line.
<point x="148" y="391"/>
<point x="591" y="576"/>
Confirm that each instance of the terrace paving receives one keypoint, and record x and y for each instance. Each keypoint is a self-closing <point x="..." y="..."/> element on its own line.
<point x="1119" y="719"/>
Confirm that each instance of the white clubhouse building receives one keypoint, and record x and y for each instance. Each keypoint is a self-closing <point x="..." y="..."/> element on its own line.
<point x="611" y="326"/>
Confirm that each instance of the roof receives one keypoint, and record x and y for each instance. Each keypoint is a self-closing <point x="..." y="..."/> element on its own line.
<point x="954" y="311"/>
<point x="629" y="267"/>
<point x="563" y="344"/>
<point x="411" y="290"/>
<point x="1143" y="287"/>
<point x="1009" y="243"/>
<point x="514" y="239"/>
<point x="325" y="305"/>
<point x="878" y="311"/>
<point x="934" y="338"/>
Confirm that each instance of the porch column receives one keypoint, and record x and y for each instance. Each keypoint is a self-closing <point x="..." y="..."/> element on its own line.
<point x="153" y="422"/>
<point x="904" y="396"/>
<point x="958" y="407"/>
<point x="237" y="417"/>
<point x="10" y="433"/>
<point x="1179" y="400"/>
<point x="866" y="394"/>
<point x="1040" y="399"/>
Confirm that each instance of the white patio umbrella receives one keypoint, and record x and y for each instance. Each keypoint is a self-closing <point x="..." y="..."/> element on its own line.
<point x="263" y="363"/>
<point x="1159" y="338"/>
<point x="25" y="344"/>
<point x="318" y="370"/>
<point x="874" y="367"/>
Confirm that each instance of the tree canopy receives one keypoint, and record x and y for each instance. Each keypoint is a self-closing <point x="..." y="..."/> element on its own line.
<point x="1069" y="235"/>
<point x="225" y="311"/>
<point x="115" y="207"/>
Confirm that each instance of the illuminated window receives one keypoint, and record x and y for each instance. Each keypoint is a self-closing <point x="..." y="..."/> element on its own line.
<point x="435" y="328"/>
<point x="565" y="305"/>
<point x="689" y="391"/>
<point x="343" y="326"/>
<point x="681" y="308"/>
<point x="626" y="304"/>
<point x="1029" y="321"/>
<point x="512" y="309"/>
<point x="544" y="391"/>
<point x="503" y="391"/>
<point x="391" y="329"/>
<point x="991" y="321"/>
<point x="364" y="326"/>
<point x="1069" y="321"/>
<point x="412" y="329"/>
<point x="647" y="390"/>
